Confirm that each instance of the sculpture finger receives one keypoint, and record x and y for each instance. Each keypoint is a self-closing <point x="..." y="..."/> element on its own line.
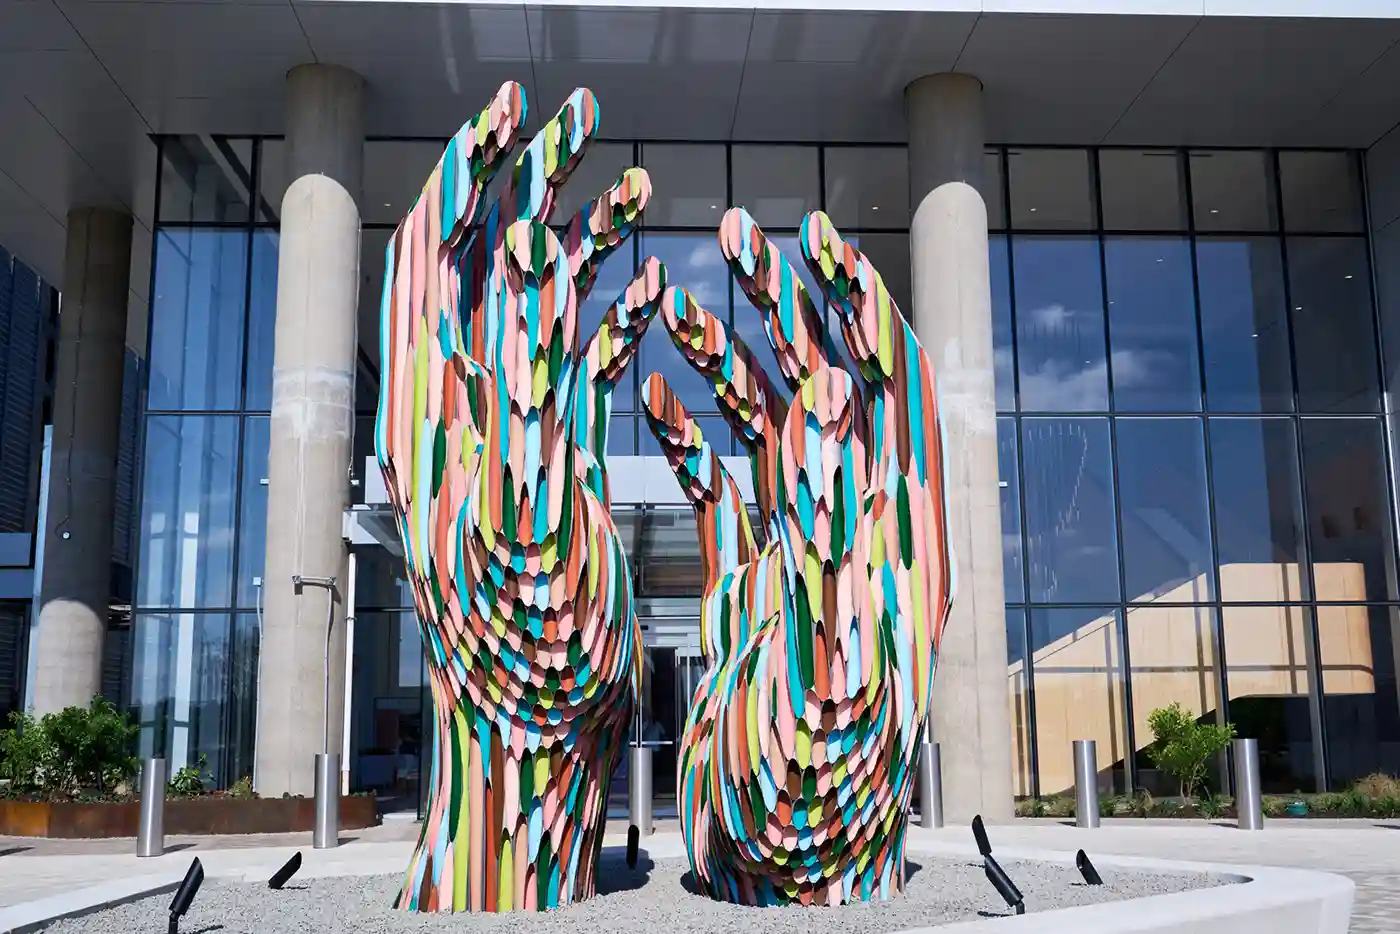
<point x="791" y="316"/>
<point x="601" y="227"/>
<point x="546" y="163"/>
<point x="726" y="538"/>
<point x="747" y="398"/>
<point x="604" y="361"/>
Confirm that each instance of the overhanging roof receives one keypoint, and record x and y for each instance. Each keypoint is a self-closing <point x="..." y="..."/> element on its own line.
<point x="84" y="82"/>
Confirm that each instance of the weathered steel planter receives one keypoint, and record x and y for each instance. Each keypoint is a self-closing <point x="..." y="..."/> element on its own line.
<point x="183" y="816"/>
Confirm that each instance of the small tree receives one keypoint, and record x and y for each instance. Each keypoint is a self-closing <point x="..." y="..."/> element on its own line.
<point x="22" y="752"/>
<point x="1183" y="747"/>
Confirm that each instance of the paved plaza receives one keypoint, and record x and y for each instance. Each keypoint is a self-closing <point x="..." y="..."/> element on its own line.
<point x="1367" y="852"/>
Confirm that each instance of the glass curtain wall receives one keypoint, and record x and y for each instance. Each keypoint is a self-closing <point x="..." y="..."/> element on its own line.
<point x="1195" y="500"/>
<point x="1185" y="353"/>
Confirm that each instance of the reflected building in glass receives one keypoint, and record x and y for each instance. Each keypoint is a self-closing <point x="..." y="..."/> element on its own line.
<point x="1192" y="350"/>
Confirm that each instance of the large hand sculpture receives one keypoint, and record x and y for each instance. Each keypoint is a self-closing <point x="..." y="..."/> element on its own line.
<point x="492" y="432"/>
<point x="800" y="746"/>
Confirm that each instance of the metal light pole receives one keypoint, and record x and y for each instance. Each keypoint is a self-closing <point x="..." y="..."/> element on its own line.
<point x="326" y="833"/>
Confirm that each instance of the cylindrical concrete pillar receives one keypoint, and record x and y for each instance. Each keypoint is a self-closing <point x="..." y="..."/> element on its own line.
<point x="87" y="411"/>
<point x="312" y="419"/>
<point x="952" y="315"/>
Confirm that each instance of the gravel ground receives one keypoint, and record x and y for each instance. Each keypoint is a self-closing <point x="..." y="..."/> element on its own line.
<point x="657" y="899"/>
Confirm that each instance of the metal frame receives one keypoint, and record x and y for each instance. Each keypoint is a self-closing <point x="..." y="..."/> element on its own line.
<point x="1004" y="228"/>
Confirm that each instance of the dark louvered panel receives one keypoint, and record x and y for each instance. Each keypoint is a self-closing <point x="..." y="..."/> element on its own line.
<point x="124" y="504"/>
<point x="13" y="617"/>
<point x="23" y="297"/>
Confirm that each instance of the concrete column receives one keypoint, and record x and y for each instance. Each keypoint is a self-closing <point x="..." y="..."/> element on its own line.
<point x="952" y="315"/>
<point x="312" y="420"/>
<point x="77" y="568"/>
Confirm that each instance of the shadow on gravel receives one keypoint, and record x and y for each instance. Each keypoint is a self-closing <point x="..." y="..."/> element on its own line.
<point x="911" y="869"/>
<point x="207" y="929"/>
<point x="15" y="850"/>
<point x="617" y="876"/>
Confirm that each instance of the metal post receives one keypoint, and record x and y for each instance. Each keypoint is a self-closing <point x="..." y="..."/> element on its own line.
<point x="930" y="786"/>
<point x="326" y="834"/>
<point x="639" y="790"/>
<point x="1086" y="784"/>
<point x="150" y="832"/>
<point x="1249" y="803"/>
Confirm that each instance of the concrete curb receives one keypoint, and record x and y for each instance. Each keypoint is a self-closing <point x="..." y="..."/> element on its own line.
<point x="1266" y="900"/>
<point x="37" y="915"/>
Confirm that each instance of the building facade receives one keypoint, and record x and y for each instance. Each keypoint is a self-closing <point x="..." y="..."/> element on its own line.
<point x="1152" y="254"/>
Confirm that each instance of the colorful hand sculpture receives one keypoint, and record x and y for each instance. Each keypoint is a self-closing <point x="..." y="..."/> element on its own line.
<point x="799" y="751"/>
<point x="492" y="432"/>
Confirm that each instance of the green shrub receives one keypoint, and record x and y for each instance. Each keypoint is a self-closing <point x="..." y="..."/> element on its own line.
<point x="243" y="788"/>
<point x="22" y="752"/>
<point x="1275" y="807"/>
<point x="1108" y="807"/>
<point x="1378" y="786"/>
<point x="1142" y="804"/>
<point x="188" y="781"/>
<point x="1030" y="807"/>
<point x="88" y="749"/>
<point x="1183" y="747"/>
<point x="1061" y="806"/>
<point x="1212" y="807"/>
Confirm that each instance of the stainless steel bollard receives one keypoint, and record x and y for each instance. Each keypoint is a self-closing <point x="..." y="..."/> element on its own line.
<point x="326" y="834"/>
<point x="1248" y="801"/>
<point x="639" y="789"/>
<point x="930" y="786"/>
<point x="150" y="832"/>
<point x="1086" y="784"/>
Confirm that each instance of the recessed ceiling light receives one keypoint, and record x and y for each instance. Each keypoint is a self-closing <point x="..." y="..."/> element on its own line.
<point x="1254" y="335"/>
<point x="1297" y="307"/>
<point x="1347" y="276"/>
<point x="874" y="207"/>
<point x="714" y="207"/>
<point x="1032" y="210"/>
<point x="1215" y="210"/>
<point x="1159" y="259"/>
<point x="386" y="204"/>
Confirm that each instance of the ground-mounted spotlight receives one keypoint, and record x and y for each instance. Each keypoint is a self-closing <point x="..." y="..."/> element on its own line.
<point x="634" y="842"/>
<point x="1003" y="884"/>
<point x="289" y="869"/>
<point x="979" y="832"/>
<point x="185" y="894"/>
<point x="1086" y="869"/>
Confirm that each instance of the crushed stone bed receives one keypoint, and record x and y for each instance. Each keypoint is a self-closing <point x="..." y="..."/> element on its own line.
<point x="652" y="898"/>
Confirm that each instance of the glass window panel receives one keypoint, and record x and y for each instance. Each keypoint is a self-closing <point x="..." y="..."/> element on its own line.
<point x="622" y="435"/>
<point x="665" y="556"/>
<point x="1258" y="509"/>
<point x="613" y="278"/>
<point x="1360" y="705"/>
<point x="194" y="679"/>
<point x="889" y="254"/>
<point x="688" y="185"/>
<point x="196" y="334"/>
<point x="601" y="167"/>
<point x="1142" y="189"/>
<point x="252" y="525"/>
<point x="1233" y="190"/>
<point x="408" y="652"/>
<point x="866" y="186"/>
<point x="1018" y="677"/>
<point x="1003" y="356"/>
<point x="1334" y="332"/>
<point x="394" y="173"/>
<point x="1244" y="324"/>
<point x="187" y="511"/>
<point x="1166" y="519"/>
<point x="1011" y="569"/>
<point x="1172" y="660"/>
<point x="694" y="261"/>
<point x="994" y="189"/>
<point x="1321" y="192"/>
<point x="272" y="178"/>
<point x="1267" y="655"/>
<point x="205" y="178"/>
<point x="1068" y="505"/>
<point x="262" y="321"/>
<point x="1077" y="667"/>
<point x="1348" y="509"/>
<point x="1051" y="189"/>
<point x="717" y="434"/>
<point x="778" y="184"/>
<point x="1059" y="324"/>
<point x="380" y="579"/>
<point x="1152" y="325"/>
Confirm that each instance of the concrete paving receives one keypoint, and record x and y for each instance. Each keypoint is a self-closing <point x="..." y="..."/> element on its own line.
<point x="1367" y="852"/>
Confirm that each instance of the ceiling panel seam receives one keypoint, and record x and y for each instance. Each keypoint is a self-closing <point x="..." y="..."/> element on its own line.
<point x="1143" y="90"/>
<point x="103" y="65"/>
<point x="957" y="59"/>
<point x="743" y="69"/>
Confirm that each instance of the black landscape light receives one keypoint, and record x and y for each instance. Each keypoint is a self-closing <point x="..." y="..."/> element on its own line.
<point x="634" y="841"/>
<point x="185" y="894"/>
<point x="1086" y="869"/>
<point x="289" y="869"/>
<point x="984" y="846"/>
<point x="1003" y="884"/>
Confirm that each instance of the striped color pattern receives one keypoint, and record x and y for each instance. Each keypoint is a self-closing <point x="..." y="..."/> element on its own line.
<point x="491" y="434"/>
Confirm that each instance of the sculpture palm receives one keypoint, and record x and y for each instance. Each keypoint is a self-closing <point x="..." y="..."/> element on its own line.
<point x="799" y="751"/>
<point x="492" y="434"/>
